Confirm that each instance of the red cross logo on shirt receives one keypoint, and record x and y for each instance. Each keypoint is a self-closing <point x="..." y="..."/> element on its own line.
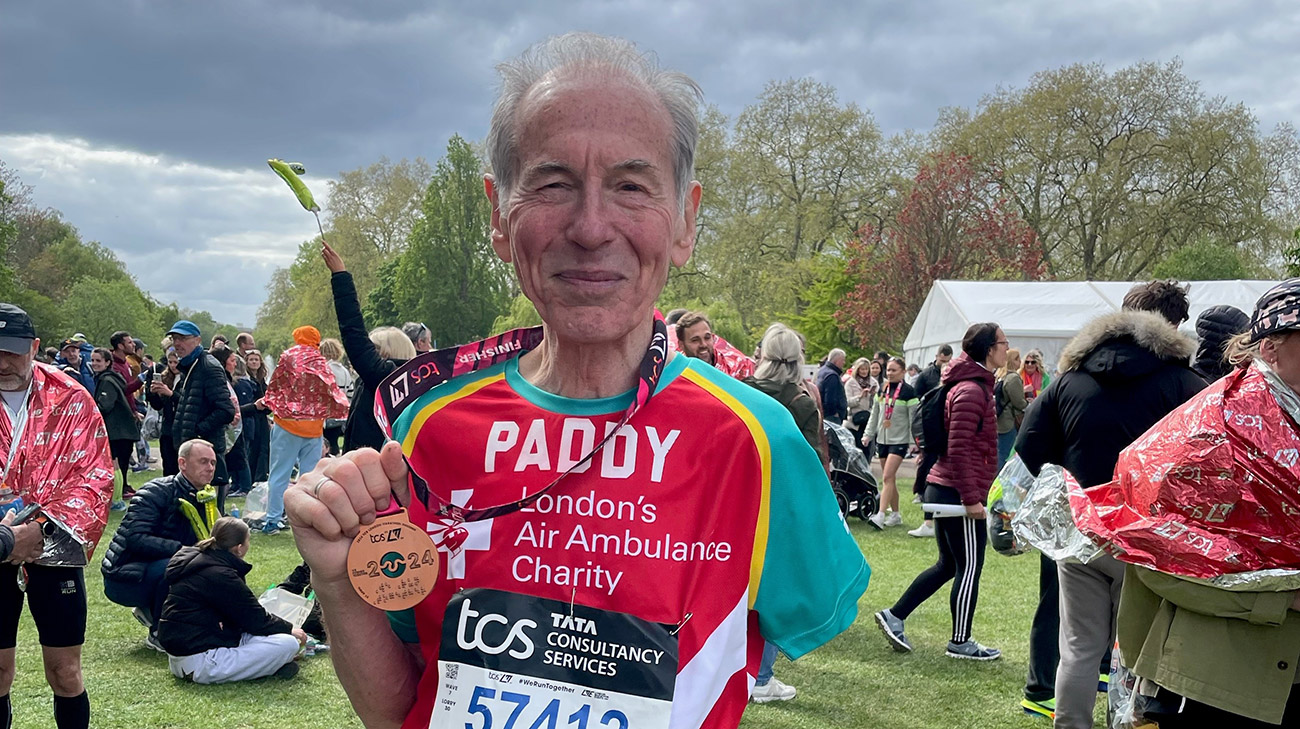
<point x="477" y="536"/>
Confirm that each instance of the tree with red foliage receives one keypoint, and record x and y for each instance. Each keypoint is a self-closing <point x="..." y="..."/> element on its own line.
<point x="954" y="224"/>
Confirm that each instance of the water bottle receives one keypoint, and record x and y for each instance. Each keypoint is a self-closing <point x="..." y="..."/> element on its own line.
<point x="234" y="511"/>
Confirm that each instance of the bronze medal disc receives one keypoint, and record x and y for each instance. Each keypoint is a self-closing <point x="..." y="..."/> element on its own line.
<point x="392" y="564"/>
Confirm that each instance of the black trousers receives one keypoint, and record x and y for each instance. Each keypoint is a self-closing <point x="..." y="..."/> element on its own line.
<point x="961" y="541"/>
<point x="121" y="451"/>
<point x="170" y="464"/>
<point x="1045" y="636"/>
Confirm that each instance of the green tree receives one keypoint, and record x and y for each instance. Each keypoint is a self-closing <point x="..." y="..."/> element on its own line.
<point x="369" y="217"/>
<point x="98" y="308"/>
<point x="522" y="314"/>
<point x="801" y="173"/>
<point x="1114" y="171"/>
<point x="448" y="276"/>
<point x="1203" y="260"/>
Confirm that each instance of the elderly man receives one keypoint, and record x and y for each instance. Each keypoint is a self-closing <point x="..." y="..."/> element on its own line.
<point x="56" y="455"/>
<point x="154" y="528"/>
<point x="830" y="383"/>
<point x="620" y="594"/>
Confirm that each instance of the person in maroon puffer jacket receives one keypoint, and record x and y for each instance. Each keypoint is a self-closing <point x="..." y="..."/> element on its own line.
<point x="962" y="476"/>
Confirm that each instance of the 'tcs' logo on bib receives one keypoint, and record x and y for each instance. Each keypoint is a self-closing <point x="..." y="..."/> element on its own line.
<point x="470" y="636"/>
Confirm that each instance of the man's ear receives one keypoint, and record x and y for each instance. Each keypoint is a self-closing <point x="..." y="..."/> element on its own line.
<point x="500" y="235"/>
<point x="685" y="245"/>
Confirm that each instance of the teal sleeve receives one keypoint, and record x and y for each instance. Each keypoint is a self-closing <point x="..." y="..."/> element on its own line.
<point x="813" y="572"/>
<point x="403" y="624"/>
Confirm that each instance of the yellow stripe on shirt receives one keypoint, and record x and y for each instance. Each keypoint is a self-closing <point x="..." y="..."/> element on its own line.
<point x="765" y="466"/>
<point x="408" y="442"/>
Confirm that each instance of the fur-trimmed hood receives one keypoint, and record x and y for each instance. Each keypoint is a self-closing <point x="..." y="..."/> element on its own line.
<point x="1126" y="343"/>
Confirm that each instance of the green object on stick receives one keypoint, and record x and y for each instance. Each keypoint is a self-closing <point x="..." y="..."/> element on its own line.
<point x="289" y="171"/>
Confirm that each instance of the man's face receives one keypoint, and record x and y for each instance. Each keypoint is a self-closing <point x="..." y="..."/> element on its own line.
<point x="246" y="344"/>
<point x="425" y="342"/>
<point x="942" y="360"/>
<point x="16" y="369"/>
<point x="838" y="360"/>
<point x="184" y="345"/>
<point x="72" y="355"/>
<point x="593" y="224"/>
<point x="698" y="342"/>
<point x="126" y="346"/>
<point x="200" y="466"/>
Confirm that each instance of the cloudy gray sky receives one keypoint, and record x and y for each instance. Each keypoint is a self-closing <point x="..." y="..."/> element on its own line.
<point x="148" y="122"/>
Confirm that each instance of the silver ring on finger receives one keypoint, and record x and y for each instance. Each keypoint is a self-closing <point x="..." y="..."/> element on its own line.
<point x="315" y="492"/>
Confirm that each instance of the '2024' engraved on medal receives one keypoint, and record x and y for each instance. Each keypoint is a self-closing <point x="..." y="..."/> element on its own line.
<point x="394" y="564"/>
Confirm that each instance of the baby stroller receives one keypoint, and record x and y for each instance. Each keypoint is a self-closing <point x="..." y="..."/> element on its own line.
<point x="855" y="488"/>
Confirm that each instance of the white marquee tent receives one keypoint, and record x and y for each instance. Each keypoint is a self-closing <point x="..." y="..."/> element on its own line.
<point x="1044" y="315"/>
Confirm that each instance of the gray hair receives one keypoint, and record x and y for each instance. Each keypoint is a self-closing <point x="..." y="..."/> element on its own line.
<point x="782" y="355"/>
<point x="834" y="353"/>
<point x="573" y="52"/>
<point x="187" y="446"/>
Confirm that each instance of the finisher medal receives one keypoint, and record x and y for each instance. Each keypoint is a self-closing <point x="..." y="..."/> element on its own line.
<point x="392" y="564"/>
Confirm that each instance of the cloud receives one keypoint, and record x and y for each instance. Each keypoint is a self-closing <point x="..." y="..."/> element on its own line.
<point x="203" y="236"/>
<point x="131" y="94"/>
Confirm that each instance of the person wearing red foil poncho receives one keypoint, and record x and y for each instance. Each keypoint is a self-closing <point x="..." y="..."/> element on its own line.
<point x="1205" y="509"/>
<point x="56" y="454"/>
<point x="302" y="396"/>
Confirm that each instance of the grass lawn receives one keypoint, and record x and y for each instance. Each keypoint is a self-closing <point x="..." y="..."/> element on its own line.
<point x="855" y="681"/>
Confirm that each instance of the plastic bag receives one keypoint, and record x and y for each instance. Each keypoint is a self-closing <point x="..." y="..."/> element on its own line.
<point x="1045" y="521"/>
<point x="1120" y="694"/>
<point x="255" y="502"/>
<point x="1005" y="498"/>
<point x="151" y="429"/>
<point x="284" y="604"/>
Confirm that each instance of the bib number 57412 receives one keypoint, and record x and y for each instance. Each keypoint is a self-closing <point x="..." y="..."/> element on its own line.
<point x="481" y="703"/>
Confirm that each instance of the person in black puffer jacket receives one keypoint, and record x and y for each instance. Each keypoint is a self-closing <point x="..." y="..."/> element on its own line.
<point x="204" y="406"/>
<point x="119" y="416"/>
<point x="1214" y="327"/>
<point x="152" y="530"/>
<point x="1119" y="376"/>
<point x="212" y="627"/>
<point x="373" y="356"/>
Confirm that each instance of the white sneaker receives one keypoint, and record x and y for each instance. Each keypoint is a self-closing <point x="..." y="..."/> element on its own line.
<point x="773" y="690"/>
<point x="925" y="530"/>
<point x="877" y="520"/>
<point x="916" y="499"/>
<point x="894" y="519"/>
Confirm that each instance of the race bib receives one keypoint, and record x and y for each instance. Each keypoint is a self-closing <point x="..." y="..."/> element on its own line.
<point x="511" y="661"/>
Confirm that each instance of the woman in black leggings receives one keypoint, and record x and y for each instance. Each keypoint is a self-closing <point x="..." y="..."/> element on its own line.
<point x="961" y="477"/>
<point x="120" y="417"/>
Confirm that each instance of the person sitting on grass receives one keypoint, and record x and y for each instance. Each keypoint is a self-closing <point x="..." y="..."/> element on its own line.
<point x="153" y="530"/>
<point x="212" y="627"/>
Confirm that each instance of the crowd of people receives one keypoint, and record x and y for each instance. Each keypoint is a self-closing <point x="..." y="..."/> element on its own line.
<point x="569" y="478"/>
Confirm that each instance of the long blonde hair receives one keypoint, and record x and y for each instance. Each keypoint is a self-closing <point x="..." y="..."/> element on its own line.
<point x="392" y="343"/>
<point x="1013" y="355"/>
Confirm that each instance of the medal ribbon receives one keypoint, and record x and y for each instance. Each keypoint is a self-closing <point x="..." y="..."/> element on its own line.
<point x="407" y="383"/>
<point x="891" y="399"/>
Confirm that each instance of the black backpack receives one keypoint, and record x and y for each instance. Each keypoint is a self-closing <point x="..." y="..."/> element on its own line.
<point x="931" y="427"/>
<point x="999" y="398"/>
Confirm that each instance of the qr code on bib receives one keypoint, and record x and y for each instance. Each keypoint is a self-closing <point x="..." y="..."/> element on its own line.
<point x="453" y="671"/>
